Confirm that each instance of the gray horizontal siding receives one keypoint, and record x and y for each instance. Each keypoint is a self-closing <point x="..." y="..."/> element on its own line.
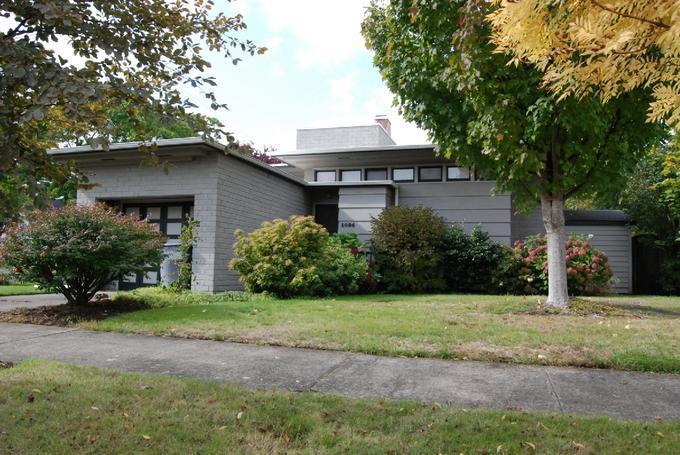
<point x="613" y="241"/>
<point x="468" y="203"/>
<point x="359" y="205"/>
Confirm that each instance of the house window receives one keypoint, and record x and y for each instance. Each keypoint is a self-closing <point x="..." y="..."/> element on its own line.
<point x="324" y="176"/>
<point x="457" y="173"/>
<point x="430" y="174"/>
<point x="376" y="174"/>
<point x="404" y="174"/>
<point x="350" y="175"/>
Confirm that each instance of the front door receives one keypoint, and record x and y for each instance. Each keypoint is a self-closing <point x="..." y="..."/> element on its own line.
<point x="169" y="218"/>
<point x="327" y="216"/>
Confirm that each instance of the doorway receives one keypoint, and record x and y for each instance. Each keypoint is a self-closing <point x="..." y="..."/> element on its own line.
<point x="327" y="216"/>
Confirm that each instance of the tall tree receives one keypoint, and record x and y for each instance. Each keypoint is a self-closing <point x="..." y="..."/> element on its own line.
<point x="449" y="79"/>
<point x="60" y="60"/>
<point x="605" y="47"/>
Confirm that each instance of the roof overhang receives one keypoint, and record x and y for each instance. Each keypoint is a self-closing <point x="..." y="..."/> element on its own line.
<point x="595" y="218"/>
<point x="170" y="150"/>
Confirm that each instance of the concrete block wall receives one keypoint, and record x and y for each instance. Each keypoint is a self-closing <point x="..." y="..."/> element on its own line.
<point x="195" y="179"/>
<point x="351" y="136"/>
<point x="246" y="196"/>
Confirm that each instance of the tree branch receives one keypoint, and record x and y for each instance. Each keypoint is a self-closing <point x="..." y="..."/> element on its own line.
<point x="630" y="16"/>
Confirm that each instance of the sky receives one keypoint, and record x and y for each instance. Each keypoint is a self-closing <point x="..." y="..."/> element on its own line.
<point x="317" y="72"/>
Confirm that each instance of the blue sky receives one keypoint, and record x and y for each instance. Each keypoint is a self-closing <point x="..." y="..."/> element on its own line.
<point x="317" y="72"/>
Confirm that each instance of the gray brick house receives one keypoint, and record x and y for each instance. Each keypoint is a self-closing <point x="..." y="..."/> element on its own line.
<point x="342" y="176"/>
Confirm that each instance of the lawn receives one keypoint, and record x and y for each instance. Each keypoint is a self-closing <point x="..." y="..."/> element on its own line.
<point x="631" y="333"/>
<point x="19" y="289"/>
<point x="49" y="407"/>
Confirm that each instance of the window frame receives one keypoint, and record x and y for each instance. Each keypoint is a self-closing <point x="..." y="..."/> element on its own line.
<point x="469" y="177"/>
<point x="350" y="170"/>
<point x="441" y="174"/>
<point x="411" y="180"/>
<point x="368" y="169"/>
<point x="316" y="175"/>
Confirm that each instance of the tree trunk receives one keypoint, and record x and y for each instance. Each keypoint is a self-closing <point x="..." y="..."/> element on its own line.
<point x="552" y="211"/>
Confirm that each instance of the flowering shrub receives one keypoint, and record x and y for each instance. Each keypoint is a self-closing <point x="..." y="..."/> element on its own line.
<point x="297" y="257"/>
<point x="77" y="250"/>
<point x="588" y="269"/>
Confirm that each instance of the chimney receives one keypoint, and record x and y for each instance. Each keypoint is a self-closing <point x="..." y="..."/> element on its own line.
<point x="383" y="121"/>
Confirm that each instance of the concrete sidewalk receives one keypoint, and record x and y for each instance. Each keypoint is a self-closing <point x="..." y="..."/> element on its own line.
<point x="11" y="302"/>
<point x="466" y="384"/>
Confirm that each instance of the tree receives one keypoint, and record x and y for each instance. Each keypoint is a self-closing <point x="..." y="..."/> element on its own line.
<point x="137" y="54"/>
<point x="78" y="250"/>
<point x="606" y="47"/>
<point x="448" y="78"/>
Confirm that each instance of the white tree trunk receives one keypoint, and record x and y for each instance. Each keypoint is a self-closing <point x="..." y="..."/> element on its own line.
<point x="552" y="211"/>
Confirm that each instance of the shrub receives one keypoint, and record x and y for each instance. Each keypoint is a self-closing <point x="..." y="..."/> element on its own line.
<point x="76" y="251"/>
<point x="187" y="239"/>
<point x="669" y="276"/>
<point x="475" y="263"/>
<point x="588" y="270"/>
<point x="407" y="243"/>
<point x="159" y="297"/>
<point x="296" y="257"/>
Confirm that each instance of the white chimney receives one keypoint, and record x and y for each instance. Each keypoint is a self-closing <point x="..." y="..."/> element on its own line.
<point x="383" y="121"/>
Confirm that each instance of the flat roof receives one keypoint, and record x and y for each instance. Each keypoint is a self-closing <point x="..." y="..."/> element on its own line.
<point x="176" y="142"/>
<point x="372" y="148"/>
<point x="596" y="217"/>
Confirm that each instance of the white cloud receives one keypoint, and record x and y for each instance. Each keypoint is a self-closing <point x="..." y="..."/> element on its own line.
<point x="328" y="33"/>
<point x="342" y="94"/>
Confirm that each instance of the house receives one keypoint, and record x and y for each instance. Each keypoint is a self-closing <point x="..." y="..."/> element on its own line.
<point x="343" y="176"/>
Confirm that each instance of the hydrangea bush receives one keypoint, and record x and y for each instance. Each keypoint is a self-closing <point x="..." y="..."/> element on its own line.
<point x="297" y="257"/>
<point x="78" y="250"/>
<point x="588" y="269"/>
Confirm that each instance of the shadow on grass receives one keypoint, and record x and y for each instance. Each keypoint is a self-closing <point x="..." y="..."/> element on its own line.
<point x="649" y="310"/>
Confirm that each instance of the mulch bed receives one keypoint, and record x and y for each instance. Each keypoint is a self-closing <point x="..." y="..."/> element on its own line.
<point x="67" y="314"/>
<point x="6" y="365"/>
<point x="583" y="307"/>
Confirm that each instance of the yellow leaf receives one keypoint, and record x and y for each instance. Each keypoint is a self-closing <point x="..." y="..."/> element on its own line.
<point x="95" y="408"/>
<point x="146" y="437"/>
<point x="660" y="434"/>
<point x="239" y="415"/>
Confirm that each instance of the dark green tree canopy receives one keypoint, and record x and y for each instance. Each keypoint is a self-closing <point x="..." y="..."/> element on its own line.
<point x="446" y="77"/>
<point x="135" y="54"/>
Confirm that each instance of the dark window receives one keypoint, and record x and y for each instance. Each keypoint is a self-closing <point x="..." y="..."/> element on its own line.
<point x="430" y="174"/>
<point x="350" y="175"/>
<point x="376" y="174"/>
<point x="404" y="174"/>
<point x="324" y="176"/>
<point x="457" y="173"/>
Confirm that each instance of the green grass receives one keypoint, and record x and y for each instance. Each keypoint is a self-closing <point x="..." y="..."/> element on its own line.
<point x="19" y="289"/>
<point x="643" y="333"/>
<point x="86" y="410"/>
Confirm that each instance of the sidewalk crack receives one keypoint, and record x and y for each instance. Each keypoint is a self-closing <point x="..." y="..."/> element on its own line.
<point x="328" y="372"/>
<point x="554" y="393"/>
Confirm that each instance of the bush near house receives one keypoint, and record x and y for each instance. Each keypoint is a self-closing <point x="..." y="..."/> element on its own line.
<point x="475" y="263"/>
<point x="407" y="245"/>
<point x="588" y="270"/>
<point x="297" y="257"/>
<point x="77" y="250"/>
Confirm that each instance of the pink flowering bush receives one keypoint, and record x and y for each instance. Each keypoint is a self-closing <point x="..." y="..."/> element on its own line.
<point x="588" y="270"/>
<point x="298" y="257"/>
<point x="77" y="250"/>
